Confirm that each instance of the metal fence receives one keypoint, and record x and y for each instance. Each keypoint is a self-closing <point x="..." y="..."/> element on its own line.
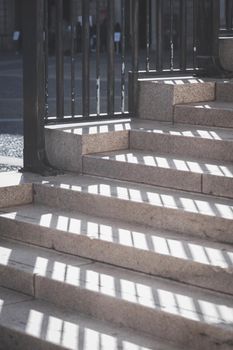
<point x="100" y="55"/>
<point x="97" y="60"/>
<point x="226" y="18"/>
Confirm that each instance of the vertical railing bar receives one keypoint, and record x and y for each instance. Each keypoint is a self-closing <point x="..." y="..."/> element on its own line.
<point x="171" y="39"/>
<point x="111" y="58"/>
<point x="215" y="27"/>
<point x="46" y="44"/>
<point x="123" y="63"/>
<point x="159" y="35"/>
<point x="98" y="57"/>
<point x="72" y="56"/>
<point x="34" y="86"/>
<point x="86" y="58"/>
<point x="135" y="58"/>
<point x="59" y="60"/>
<point x="148" y="3"/>
<point x="195" y="13"/>
<point x="183" y="33"/>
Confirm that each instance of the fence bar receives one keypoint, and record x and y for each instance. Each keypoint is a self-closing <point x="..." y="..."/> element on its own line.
<point x="123" y="62"/>
<point x="159" y="35"/>
<point x="148" y="24"/>
<point x="215" y="27"/>
<point x="229" y="14"/>
<point x="59" y="59"/>
<point x="34" y="85"/>
<point x="195" y="14"/>
<point x="135" y="60"/>
<point x="111" y="58"/>
<point x="98" y="57"/>
<point x="72" y="57"/>
<point x="171" y="35"/>
<point x="86" y="58"/>
<point x="183" y="35"/>
<point x="46" y="43"/>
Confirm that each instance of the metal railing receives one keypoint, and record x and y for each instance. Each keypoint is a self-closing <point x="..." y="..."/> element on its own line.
<point x="226" y="18"/>
<point x="111" y="58"/>
<point x="88" y="66"/>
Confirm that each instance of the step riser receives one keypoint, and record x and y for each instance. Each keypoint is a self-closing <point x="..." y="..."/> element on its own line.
<point x="182" y="145"/>
<point x="13" y="340"/>
<point x="171" y="178"/>
<point x="203" y="116"/>
<point x="128" y="314"/>
<point x="65" y="150"/>
<point x="214" y="278"/>
<point x="14" y="279"/>
<point x="224" y="92"/>
<point x="142" y="174"/>
<point x="136" y="317"/>
<point x="157" y="99"/>
<point x="216" y="228"/>
<point x="15" y="195"/>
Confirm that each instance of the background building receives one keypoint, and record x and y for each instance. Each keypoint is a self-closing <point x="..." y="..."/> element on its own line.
<point x="11" y="18"/>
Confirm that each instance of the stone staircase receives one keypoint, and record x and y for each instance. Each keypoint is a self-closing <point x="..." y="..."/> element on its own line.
<point x="131" y="248"/>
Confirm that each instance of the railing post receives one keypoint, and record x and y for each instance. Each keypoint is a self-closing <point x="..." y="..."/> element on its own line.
<point x="85" y="58"/>
<point x="208" y="25"/>
<point x="111" y="58"/>
<point x="34" y="87"/>
<point x="133" y="76"/>
<point x="59" y="60"/>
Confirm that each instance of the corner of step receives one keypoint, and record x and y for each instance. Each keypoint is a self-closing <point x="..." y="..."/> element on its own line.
<point x="158" y="97"/>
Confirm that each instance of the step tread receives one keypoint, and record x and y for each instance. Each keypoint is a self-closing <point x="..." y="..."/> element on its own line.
<point x="185" y="130"/>
<point x="23" y="316"/>
<point x="153" y="195"/>
<point x="168" y="161"/>
<point x="140" y="237"/>
<point x="153" y="293"/>
<point x="95" y="128"/>
<point x="211" y="105"/>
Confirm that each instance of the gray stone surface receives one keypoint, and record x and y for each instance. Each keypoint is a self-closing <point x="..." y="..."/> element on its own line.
<point x="19" y="265"/>
<point x="215" y="144"/>
<point x="13" y="195"/>
<point x="226" y="52"/>
<point x="152" y="251"/>
<point x="27" y="324"/>
<point x="218" y="185"/>
<point x="224" y="90"/>
<point x="161" y="169"/>
<point x="130" y="299"/>
<point x="66" y="145"/>
<point x="184" y="212"/>
<point x="157" y="98"/>
<point x="63" y="151"/>
<point x="143" y="174"/>
<point x="215" y="113"/>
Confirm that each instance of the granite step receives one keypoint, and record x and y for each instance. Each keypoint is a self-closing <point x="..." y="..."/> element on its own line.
<point x="224" y="90"/>
<point x="187" y="316"/>
<point x="185" y="140"/>
<point x="157" y="97"/>
<point x="219" y="114"/>
<point x="185" y="173"/>
<point x="184" y="212"/>
<point x="136" y="247"/>
<point x="65" y="145"/>
<point x="30" y="324"/>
